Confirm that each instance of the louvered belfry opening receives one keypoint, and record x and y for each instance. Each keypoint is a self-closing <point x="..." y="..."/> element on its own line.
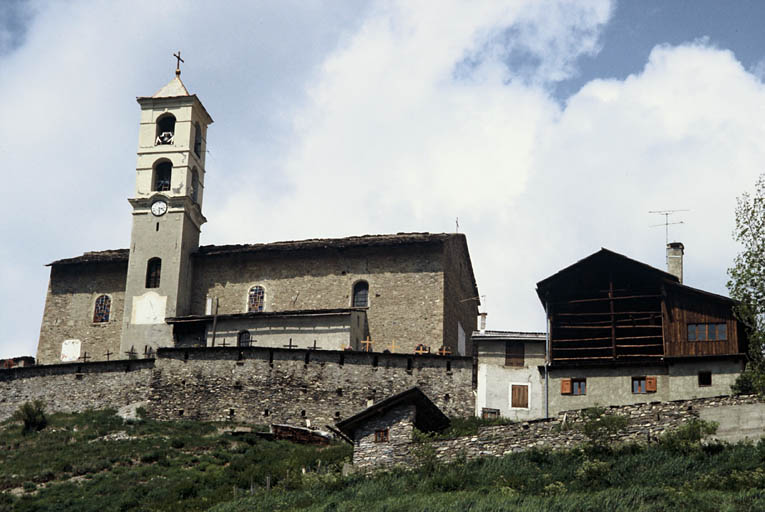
<point x="605" y="309"/>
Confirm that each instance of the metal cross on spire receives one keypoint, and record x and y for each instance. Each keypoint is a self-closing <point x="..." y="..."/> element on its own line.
<point x="178" y="63"/>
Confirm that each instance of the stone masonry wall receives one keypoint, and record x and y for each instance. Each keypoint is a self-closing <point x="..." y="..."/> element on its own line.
<point x="406" y="287"/>
<point x="646" y="422"/>
<point x="460" y="301"/>
<point x="76" y="387"/>
<point x="262" y="385"/>
<point x="400" y="424"/>
<point x="69" y="306"/>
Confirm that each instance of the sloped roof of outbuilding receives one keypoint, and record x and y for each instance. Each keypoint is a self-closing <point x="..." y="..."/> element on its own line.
<point x="428" y="417"/>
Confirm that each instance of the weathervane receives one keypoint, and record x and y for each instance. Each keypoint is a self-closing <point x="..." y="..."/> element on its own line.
<point x="178" y="63"/>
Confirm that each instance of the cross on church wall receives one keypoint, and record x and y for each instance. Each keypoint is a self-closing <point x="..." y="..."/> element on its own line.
<point x="290" y="346"/>
<point x="367" y="344"/>
<point x="314" y="346"/>
<point x="85" y="357"/>
<point x="108" y="354"/>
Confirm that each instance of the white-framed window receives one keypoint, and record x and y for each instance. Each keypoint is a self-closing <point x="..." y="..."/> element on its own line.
<point x="102" y="309"/>
<point x="519" y="395"/>
<point x="256" y="299"/>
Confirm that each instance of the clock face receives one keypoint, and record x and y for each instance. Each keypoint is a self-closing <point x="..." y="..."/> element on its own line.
<point x="159" y="208"/>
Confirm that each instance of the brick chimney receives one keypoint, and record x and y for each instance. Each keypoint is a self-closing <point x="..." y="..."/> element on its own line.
<point x="675" y="252"/>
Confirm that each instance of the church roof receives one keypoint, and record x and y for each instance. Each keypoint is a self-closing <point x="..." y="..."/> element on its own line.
<point x="399" y="239"/>
<point x="328" y="243"/>
<point x="172" y="89"/>
<point x="111" y="256"/>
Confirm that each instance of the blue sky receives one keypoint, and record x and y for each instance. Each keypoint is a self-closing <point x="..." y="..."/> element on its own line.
<point x="550" y="128"/>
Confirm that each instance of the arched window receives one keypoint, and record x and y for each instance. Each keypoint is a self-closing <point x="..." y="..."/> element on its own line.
<point x="361" y="294"/>
<point x="194" y="185"/>
<point x="256" y="299"/>
<point x="102" y="309"/>
<point x="162" y="173"/>
<point x="197" y="140"/>
<point x="165" y="129"/>
<point x="153" y="271"/>
<point x="243" y="339"/>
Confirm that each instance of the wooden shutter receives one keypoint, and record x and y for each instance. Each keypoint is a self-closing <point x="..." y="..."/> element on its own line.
<point x="519" y="396"/>
<point x="650" y="384"/>
<point x="514" y="353"/>
<point x="565" y="386"/>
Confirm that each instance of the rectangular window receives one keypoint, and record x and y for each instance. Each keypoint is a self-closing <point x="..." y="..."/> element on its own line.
<point x="565" y="386"/>
<point x="514" y="353"/>
<point x="489" y="414"/>
<point x="382" y="435"/>
<point x="579" y="386"/>
<point x="707" y="332"/>
<point x="519" y="396"/>
<point x="638" y="385"/>
<point x="705" y="379"/>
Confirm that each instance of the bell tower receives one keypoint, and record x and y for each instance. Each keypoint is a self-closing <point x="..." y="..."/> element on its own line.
<point x="167" y="214"/>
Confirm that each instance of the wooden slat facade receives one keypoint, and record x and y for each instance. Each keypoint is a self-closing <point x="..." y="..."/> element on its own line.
<point x="685" y="307"/>
<point x="609" y="307"/>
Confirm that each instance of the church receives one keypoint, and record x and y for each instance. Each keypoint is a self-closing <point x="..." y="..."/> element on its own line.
<point x="399" y="293"/>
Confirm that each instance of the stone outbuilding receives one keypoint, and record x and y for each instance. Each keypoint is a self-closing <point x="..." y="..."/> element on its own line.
<point x="382" y="434"/>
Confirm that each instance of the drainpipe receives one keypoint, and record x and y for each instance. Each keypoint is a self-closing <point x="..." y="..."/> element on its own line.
<point x="547" y="364"/>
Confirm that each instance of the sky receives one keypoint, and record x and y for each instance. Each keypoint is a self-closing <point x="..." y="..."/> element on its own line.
<point x="549" y="128"/>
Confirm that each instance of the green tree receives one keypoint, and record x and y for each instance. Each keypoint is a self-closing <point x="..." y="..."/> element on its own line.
<point x="747" y="284"/>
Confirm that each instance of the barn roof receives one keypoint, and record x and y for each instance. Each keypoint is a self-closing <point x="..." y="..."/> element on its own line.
<point x="428" y="417"/>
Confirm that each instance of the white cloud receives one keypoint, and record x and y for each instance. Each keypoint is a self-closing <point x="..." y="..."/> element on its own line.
<point x="396" y="117"/>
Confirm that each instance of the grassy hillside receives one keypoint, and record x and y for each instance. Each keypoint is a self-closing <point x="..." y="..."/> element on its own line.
<point x="96" y="462"/>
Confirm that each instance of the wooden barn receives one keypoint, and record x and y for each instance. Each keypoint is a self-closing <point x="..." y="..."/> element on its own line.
<point x="621" y="331"/>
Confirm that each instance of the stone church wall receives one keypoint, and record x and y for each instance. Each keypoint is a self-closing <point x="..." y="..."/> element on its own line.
<point x="69" y="306"/>
<point x="278" y="386"/>
<point x="76" y="387"/>
<point x="460" y="302"/>
<point x="406" y="287"/>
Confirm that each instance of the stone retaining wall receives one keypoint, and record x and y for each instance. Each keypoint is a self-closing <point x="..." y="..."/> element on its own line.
<point x="646" y="422"/>
<point x="75" y="387"/>
<point x="252" y="385"/>
<point x="298" y="386"/>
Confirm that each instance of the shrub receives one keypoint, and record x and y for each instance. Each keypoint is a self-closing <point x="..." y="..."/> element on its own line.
<point x="600" y="427"/>
<point x="32" y="415"/>
<point x="688" y="436"/>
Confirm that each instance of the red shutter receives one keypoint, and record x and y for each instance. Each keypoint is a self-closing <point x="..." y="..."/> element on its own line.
<point x="650" y="384"/>
<point x="565" y="386"/>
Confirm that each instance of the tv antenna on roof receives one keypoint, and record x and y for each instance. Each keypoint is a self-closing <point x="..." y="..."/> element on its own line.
<point x="666" y="222"/>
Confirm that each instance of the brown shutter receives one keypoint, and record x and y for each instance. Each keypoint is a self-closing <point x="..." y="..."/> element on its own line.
<point x="565" y="386"/>
<point x="650" y="384"/>
<point x="514" y="353"/>
<point x="520" y="396"/>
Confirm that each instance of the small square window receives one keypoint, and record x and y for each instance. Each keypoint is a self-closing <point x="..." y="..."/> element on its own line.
<point x="382" y="435"/>
<point x="489" y="414"/>
<point x="579" y="386"/>
<point x="705" y="379"/>
<point x="638" y="385"/>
